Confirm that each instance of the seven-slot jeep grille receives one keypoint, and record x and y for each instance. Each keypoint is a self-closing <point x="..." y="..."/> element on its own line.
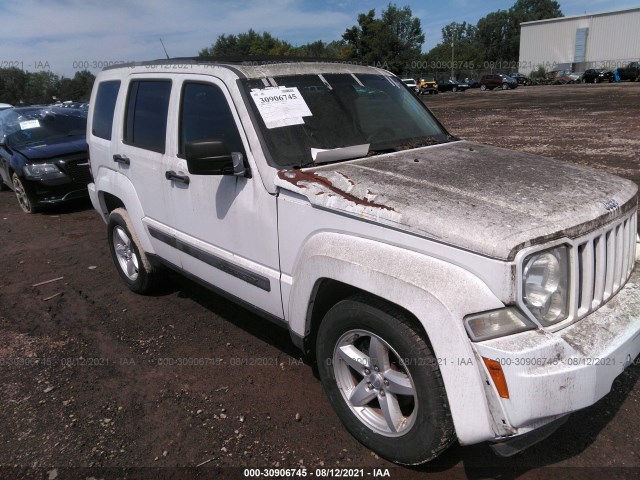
<point x="605" y="260"/>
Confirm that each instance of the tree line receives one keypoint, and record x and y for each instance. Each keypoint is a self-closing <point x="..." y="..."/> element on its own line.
<point x="394" y="39"/>
<point x="19" y="87"/>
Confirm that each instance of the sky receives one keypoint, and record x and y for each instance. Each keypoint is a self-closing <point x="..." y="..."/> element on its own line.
<point x="65" y="36"/>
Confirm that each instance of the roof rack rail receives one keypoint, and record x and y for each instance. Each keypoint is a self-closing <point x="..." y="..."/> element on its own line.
<point x="252" y="60"/>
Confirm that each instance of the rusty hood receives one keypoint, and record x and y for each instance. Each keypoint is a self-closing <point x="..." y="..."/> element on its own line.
<point x="481" y="198"/>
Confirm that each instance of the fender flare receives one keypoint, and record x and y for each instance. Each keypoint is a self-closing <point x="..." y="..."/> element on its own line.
<point x="110" y="181"/>
<point x="430" y="289"/>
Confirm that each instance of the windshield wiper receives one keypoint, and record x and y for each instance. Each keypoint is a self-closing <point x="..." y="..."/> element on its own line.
<point x="426" y="142"/>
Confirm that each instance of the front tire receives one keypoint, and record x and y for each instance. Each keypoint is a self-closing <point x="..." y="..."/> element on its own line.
<point x="383" y="380"/>
<point x="483" y="87"/>
<point x="127" y="254"/>
<point x="23" y="195"/>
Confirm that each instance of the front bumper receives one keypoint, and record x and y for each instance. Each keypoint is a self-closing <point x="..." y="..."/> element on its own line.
<point x="46" y="192"/>
<point x="552" y="374"/>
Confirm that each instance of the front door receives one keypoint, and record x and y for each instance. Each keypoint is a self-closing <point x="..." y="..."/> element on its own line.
<point x="225" y="226"/>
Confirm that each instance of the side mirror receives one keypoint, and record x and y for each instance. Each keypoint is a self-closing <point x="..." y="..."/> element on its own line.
<point x="212" y="157"/>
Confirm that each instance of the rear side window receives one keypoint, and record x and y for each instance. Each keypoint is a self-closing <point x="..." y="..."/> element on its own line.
<point x="104" y="108"/>
<point x="146" y="117"/>
<point x="205" y="115"/>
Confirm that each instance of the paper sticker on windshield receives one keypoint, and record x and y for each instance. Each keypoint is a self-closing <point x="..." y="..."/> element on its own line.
<point x="281" y="106"/>
<point x="29" y="124"/>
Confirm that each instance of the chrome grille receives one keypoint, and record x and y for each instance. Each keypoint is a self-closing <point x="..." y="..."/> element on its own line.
<point x="605" y="260"/>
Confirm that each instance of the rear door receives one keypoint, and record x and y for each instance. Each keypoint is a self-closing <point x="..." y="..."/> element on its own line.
<point x="140" y="153"/>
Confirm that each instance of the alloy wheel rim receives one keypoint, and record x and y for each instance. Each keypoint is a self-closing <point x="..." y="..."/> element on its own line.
<point x="127" y="258"/>
<point x="21" y="195"/>
<point x="375" y="383"/>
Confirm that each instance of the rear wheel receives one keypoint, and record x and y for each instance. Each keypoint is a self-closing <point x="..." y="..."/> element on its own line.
<point x="383" y="380"/>
<point x="128" y="256"/>
<point x="483" y="87"/>
<point x="24" y="195"/>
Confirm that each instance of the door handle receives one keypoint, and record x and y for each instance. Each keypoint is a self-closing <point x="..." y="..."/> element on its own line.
<point x="174" y="177"/>
<point x="121" y="159"/>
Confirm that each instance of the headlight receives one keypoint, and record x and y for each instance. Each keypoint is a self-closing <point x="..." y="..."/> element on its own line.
<point x="39" y="170"/>
<point x="545" y="280"/>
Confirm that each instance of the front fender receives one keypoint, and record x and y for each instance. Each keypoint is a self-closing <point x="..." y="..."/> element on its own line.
<point x="16" y="163"/>
<point x="437" y="293"/>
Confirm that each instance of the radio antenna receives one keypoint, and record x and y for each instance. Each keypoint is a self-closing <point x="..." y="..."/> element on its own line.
<point x="165" y="50"/>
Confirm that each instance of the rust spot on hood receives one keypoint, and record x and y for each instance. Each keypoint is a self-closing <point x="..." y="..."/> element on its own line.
<point x="296" y="177"/>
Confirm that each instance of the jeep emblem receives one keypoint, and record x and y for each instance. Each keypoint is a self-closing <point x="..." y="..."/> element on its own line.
<point x="610" y="204"/>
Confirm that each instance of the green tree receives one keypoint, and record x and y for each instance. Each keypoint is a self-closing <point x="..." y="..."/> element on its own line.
<point x="495" y="36"/>
<point x="77" y="88"/>
<point x="250" y="43"/>
<point x="393" y="40"/>
<point x="320" y="49"/>
<point x="41" y="87"/>
<point x="465" y="54"/>
<point x="12" y="83"/>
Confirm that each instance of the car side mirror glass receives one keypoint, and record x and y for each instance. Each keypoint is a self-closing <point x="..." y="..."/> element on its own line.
<point x="212" y="157"/>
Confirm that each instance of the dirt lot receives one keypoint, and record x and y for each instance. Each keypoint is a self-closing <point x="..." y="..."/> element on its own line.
<point x="96" y="377"/>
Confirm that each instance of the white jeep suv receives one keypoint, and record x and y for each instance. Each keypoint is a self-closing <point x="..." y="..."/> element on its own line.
<point x="446" y="289"/>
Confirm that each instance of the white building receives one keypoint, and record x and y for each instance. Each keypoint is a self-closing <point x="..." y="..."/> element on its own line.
<point x="598" y="40"/>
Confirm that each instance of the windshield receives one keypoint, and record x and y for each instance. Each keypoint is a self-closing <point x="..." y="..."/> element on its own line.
<point x="352" y="115"/>
<point x="24" y="126"/>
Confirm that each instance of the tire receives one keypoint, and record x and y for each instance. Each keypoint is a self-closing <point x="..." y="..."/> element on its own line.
<point x="505" y="86"/>
<point x="419" y="426"/>
<point x="23" y="195"/>
<point x="127" y="254"/>
<point x="584" y="81"/>
<point x="596" y="80"/>
<point x="483" y="87"/>
<point x="454" y="89"/>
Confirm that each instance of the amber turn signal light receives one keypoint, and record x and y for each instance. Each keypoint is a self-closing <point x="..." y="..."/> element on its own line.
<point x="497" y="375"/>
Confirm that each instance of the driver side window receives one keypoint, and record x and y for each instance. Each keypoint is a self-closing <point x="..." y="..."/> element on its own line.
<point x="205" y="115"/>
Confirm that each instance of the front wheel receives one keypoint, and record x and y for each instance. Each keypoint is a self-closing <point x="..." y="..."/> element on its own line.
<point x="128" y="256"/>
<point x="383" y="380"/>
<point x="505" y="86"/>
<point x="23" y="194"/>
<point x="483" y="87"/>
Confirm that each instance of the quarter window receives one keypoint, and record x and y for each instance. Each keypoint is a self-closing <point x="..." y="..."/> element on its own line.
<point x="105" y="105"/>
<point x="146" y="120"/>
